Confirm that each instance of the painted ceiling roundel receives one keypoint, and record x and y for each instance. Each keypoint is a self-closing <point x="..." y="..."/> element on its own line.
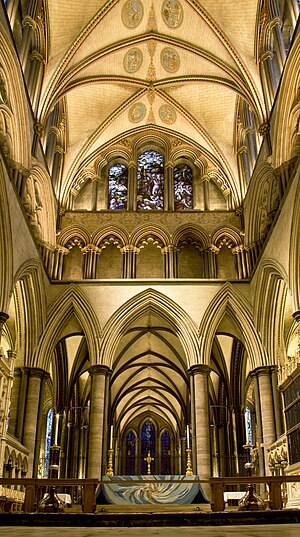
<point x="132" y="13"/>
<point x="133" y="60"/>
<point x="172" y="13"/>
<point x="176" y="68"/>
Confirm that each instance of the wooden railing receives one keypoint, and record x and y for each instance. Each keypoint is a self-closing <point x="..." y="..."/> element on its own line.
<point x="88" y="488"/>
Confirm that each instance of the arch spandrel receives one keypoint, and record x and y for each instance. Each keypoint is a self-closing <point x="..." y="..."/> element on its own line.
<point x="72" y="302"/>
<point x="229" y="301"/>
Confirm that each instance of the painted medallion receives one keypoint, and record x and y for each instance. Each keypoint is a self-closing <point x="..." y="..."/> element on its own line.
<point x="132" y="13"/>
<point x="172" y="13"/>
<point x="133" y="60"/>
<point x="137" y="112"/>
<point x="170" y="59"/>
<point x="167" y="114"/>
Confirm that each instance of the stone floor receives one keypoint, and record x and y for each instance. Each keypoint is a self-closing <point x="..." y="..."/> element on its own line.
<point x="278" y="530"/>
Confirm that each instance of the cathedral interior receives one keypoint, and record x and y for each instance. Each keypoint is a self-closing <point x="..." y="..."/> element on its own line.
<point x="150" y="238"/>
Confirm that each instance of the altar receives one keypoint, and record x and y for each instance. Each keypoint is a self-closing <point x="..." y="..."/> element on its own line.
<point x="157" y="489"/>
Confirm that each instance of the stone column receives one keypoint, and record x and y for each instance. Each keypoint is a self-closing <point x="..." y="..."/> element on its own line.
<point x="132" y="180"/>
<point x="36" y="77"/>
<point x="90" y="253"/>
<point x="107" y="419"/>
<point x="22" y="403"/>
<point x="52" y="137"/>
<point x="3" y="318"/>
<point x="200" y="373"/>
<point x="169" y="187"/>
<point x="32" y="414"/>
<point x="170" y="261"/>
<point x="205" y="181"/>
<point x="275" y="25"/>
<point x="266" y="410"/>
<point x="98" y="380"/>
<point x="129" y="260"/>
<point x="40" y="422"/>
<point x="29" y="27"/>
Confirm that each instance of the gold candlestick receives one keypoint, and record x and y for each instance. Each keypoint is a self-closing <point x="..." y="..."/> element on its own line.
<point x="110" y="470"/>
<point x="189" y="470"/>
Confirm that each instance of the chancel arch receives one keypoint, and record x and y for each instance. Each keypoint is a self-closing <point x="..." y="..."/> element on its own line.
<point x="149" y="390"/>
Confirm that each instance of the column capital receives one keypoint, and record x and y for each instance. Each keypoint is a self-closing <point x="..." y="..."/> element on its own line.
<point x="296" y="316"/>
<point x="29" y="21"/>
<point x="3" y="318"/>
<point x="262" y="370"/>
<point x="201" y="369"/>
<point x="99" y="369"/>
<point x="37" y="372"/>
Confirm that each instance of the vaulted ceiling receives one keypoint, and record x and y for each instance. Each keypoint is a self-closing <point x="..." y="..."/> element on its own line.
<point x="127" y="66"/>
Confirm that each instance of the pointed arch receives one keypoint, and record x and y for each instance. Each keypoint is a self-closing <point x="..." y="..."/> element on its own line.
<point x="262" y="201"/>
<point x="30" y="299"/>
<point x="6" y="247"/>
<point x="269" y="305"/>
<point x="71" y="302"/>
<point x="229" y="301"/>
<point x="44" y="201"/>
<point x="294" y="268"/>
<point x="21" y="150"/>
<point x="191" y="230"/>
<point x="108" y="231"/>
<point x="72" y="232"/>
<point x="150" y="299"/>
<point x="286" y="117"/>
<point x="143" y="232"/>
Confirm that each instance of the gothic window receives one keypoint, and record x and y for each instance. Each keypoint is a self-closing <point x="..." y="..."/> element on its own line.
<point x="48" y="442"/>
<point x="118" y="187"/>
<point x="183" y="187"/>
<point x="150" y="181"/>
<point x="130" y="453"/>
<point x="249" y="436"/>
<point x="165" y="453"/>
<point x="148" y="441"/>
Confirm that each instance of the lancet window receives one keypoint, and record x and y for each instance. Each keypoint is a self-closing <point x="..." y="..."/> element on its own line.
<point x="148" y="444"/>
<point x="118" y="187"/>
<point x="150" y="181"/>
<point x="130" y="453"/>
<point x="165" y="453"/>
<point x="183" y="187"/>
<point x="48" y="442"/>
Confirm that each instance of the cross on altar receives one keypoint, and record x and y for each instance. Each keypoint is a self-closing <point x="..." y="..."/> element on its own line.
<point x="149" y="459"/>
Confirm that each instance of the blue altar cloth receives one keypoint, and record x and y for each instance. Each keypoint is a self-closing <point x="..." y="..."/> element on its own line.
<point x="150" y="493"/>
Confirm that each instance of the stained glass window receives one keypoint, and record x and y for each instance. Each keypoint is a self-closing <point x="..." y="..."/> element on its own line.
<point x="48" y="442"/>
<point x="248" y="425"/>
<point x="150" y="181"/>
<point x="118" y="187"/>
<point x="147" y="444"/>
<point x="183" y="187"/>
<point x="165" y="453"/>
<point x="130" y="453"/>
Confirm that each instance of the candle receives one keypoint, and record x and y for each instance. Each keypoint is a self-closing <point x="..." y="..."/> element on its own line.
<point x="56" y="429"/>
<point x="187" y="437"/>
<point x="111" y="437"/>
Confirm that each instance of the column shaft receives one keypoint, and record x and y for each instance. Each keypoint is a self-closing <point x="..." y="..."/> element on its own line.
<point x="201" y="373"/>
<point x="31" y="416"/>
<point x="98" y="375"/>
